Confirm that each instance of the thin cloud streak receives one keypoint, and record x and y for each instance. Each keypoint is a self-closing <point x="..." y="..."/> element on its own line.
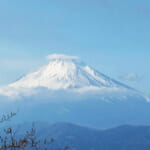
<point x="131" y="77"/>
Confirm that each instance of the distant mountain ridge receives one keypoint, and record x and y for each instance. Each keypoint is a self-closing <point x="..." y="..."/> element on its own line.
<point x="82" y="138"/>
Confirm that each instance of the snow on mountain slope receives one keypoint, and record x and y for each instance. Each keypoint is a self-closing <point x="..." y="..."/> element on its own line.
<point x="64" y="73"/>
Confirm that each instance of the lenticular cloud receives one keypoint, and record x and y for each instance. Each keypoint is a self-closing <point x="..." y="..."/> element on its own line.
<point x="62" y="57"/>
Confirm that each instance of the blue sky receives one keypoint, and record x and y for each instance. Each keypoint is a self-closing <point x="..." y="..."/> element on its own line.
<point x="110" y="35"/>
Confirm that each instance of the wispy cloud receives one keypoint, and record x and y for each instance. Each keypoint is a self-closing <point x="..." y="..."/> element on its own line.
<point x="132" y="77"/>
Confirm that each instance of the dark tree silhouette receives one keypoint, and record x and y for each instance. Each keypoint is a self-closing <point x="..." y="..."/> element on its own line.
<point x="9" y="141"/>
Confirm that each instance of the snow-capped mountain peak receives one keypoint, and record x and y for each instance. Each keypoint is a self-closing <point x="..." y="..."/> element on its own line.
<point x="64" y="73"/>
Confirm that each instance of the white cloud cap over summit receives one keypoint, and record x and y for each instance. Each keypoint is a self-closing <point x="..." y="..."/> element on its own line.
<point x="61" y="57"/>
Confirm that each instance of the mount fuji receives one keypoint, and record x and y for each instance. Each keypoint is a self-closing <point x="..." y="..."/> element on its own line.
<point x="68" y="74"/>
<point x="68" y="90"/>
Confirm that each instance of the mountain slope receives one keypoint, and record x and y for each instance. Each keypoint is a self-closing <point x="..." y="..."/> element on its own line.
<point x="69" y="74"/>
